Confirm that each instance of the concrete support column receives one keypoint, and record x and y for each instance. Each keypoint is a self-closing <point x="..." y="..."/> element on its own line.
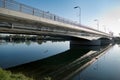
<point x="95" y="42"/>
<point x="106" y="41"/>
<point x="86" y="42"/>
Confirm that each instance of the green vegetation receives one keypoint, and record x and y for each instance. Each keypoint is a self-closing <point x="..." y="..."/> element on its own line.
<point x="7" y="75"/>
<point x="48" y="78"/>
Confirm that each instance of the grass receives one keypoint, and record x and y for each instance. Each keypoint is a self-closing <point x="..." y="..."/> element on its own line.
<point x="7" y="75"/>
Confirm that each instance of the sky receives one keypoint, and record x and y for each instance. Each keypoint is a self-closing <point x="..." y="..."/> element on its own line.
<point x="107" y="12"/>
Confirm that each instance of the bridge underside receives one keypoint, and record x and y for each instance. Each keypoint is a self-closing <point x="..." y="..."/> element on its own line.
<point x="74" y="40"/>
<point x="41" y="33"/>
<point x="9" y="26"/>
<point x="18" y="26"/>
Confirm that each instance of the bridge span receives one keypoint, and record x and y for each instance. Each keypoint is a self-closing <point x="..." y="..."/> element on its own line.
<point x="22" y="19"/>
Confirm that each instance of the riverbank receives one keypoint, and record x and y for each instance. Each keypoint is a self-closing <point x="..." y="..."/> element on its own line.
<point x="7" y="75"/>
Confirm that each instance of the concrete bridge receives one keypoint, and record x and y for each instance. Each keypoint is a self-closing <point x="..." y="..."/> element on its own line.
<point x="18" y="18"/>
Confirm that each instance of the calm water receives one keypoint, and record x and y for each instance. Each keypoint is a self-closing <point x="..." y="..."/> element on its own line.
<point x="60" y="60"/>
<point x="106" y="67"/>
<point x="16" y="53"/>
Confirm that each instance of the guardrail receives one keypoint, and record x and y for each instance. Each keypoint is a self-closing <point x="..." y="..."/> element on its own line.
<point x="13" y="5"/>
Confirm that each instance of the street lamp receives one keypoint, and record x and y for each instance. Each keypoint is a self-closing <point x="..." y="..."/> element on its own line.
<point x="79" y="13"/>
<point x="97" y="23"/>
<point x="104" y="28"/>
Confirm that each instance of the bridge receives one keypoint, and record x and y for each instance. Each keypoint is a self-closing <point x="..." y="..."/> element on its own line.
<point x="17" y="18"/>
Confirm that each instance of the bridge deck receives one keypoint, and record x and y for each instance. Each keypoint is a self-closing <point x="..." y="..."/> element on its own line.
<point x="13" y="12"/>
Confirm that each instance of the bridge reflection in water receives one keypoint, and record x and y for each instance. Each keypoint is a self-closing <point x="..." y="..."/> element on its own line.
<point x="64" y="65"/>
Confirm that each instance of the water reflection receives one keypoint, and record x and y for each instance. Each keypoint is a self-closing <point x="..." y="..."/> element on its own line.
<point x="62" y="66"/>
<point x="16" y="53"/>
<point x="106" y="67"/>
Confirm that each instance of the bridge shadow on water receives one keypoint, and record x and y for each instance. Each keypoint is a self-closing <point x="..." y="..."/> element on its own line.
<point x="61" y="66"/>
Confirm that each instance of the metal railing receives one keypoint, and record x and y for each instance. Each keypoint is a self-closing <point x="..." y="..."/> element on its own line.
<point x="13" y="5"/>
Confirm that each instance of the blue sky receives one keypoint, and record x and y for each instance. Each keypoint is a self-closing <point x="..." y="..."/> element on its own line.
<point x="90" y="9"/>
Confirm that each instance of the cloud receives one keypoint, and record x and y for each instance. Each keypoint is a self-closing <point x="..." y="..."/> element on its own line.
<point x="112" y="20"/>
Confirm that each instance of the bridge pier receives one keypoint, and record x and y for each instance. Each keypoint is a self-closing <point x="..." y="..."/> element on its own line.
<point x="86" y="42"/>
<point x="106" y="41"/>
<point x="92" y="42"/>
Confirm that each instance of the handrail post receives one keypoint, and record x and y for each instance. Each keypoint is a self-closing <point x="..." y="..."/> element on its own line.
<point x="33" y="11"/>
<point x="43" y="14"/>
<point x="4" y="3"/>
<point x="20" y="7"/>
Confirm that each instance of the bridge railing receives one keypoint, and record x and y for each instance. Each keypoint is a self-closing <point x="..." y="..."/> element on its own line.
<point x="16" y="6"/>
<point x="13" y="5"/>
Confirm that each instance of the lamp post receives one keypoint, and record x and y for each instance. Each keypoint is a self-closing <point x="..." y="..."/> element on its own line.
<point x="104" y="28"/>
<point x="97" y="23"/>
<point x="79" y="13"/>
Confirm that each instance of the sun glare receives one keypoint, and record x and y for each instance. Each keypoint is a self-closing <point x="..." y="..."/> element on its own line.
<point x="119" y="20"/>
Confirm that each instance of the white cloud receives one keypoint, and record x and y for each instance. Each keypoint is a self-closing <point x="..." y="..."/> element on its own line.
<point x="112" y="21"/>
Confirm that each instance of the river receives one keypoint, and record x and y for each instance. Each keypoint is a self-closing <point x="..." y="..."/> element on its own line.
<point x="61" y="60"/>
